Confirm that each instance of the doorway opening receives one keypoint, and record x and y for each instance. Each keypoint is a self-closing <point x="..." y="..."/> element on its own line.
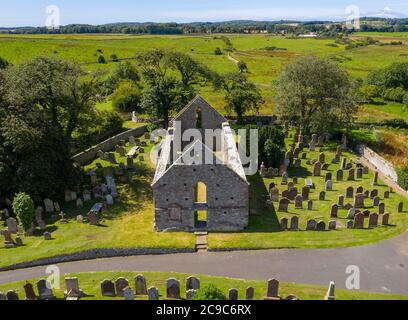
<point x="201" y="206"/>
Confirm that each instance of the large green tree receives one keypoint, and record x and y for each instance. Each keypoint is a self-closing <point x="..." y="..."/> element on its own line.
<point x="241" y="95"/>
<point x="122" y="71"/>
<point x="316" y="94"/>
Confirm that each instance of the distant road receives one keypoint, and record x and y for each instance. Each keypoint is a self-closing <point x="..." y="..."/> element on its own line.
<point x="383" y="267"/>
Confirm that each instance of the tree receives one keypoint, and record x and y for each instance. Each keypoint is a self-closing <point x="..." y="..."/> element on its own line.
<point x="316" y="94"/>
<point x="242" y="66"/>
<point x="121" y="71"/>
<point x="191" y="71"/>
<point x="165" y="96"/>
<point x="241" y="95"/>
<point x="54" y="86"/>
<point x="4" y="63"/>
<point x="369" y="91"/>
<point x="101" y="59"/>
<point x="127" y="97"/>
<point x="393" y="76"/>
<point x="23" y="207"/>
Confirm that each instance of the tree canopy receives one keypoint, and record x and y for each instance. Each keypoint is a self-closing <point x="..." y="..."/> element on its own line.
<point x="316" y="94"/>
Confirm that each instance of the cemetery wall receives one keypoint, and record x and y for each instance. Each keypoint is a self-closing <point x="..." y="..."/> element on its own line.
<point x="379" y="162"/>
<point x="89" y="155"/>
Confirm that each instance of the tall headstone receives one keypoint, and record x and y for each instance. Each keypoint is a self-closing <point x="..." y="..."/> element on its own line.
<point x="44" y="290"/>
<point x="173" y="288"/>
<point x="140" y="285"/>
<point x="233" y="294"/>
<point x="108" y="288"/>
<point x="153" y="293"/>
<point x="120" y="285"/>
<point x="359" y="221"/>
<point x="273" y="288"/>
<point x="294" y="224"/>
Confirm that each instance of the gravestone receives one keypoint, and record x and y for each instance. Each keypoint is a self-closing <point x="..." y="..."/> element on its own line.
<point x="366" y="170"/>
<point x="322" y="158"/>
<point x="322" y="196"/>
<point x="140" y="285"/>
<point x="286" y="194"/>
<point x="72" y="289"/>
<point x="284" y="178"/>
<point x="339" y="175"/>
<point x="375" y="179"/>
<point x="29" y="292"/>
<point x="173" y="288"/>
<point x="193" y="283"/>
<point x="359" y="201"/>
<point x="376" y="201"/>
<point x="299" y="202"/>
<point x="317" y="167"/>
<point x="18" y="241"/>
<point x="49" y="205"/>
<point x="128" y="294"/>
<point x="343" y="163"/>
<point x="249" y="293"/>
<point x="298" y="163"/>
<point x="334" y="211"/>
<point x="109" y="200"/>
<point x="400" y="207"/>
<point x="350" y="224"/>
<point x="310" y="205"/>
<point x="3" y="297"/>
<point x="351" y="175"/>
<point x="321" y="226"/>
<point x="80" y="219"/>
<point x="273" y="288"/>
<point x="329" y="176"/>
<point x="340" y="201"/>
<point x="360" y="190"/>
<point x="373" y="220"/>
<point x="330" y="292"/>
<point x="47" y="236"/>
<point x="293" y="193"/>
<point x="12" y="295"/>
<point x="274" y="194"/>
<point x="385" y="219"/>
<point x="79" y="203"/>
<point x="129" y="163"/>
<point x="190" y="294"/>
<point x="305" y="192"/>
<point x="108" y="288"/>
<point x="374" y="193"/>
<point x="359" y="221"/>
<point x="311" y="225"/>
<point x="294" y="224"/>
<point x="381" y="208"/>
<point x="93" y="218"/>
<point x="329" y="185"/>
<point x="290" y="185"/>
<point x="386" y="194"/>
<point x="8" y="240"/>
<point x="284" y="224"/>
<point x="283" y="205"/>
<point x="233" y="294"/>
<point x="120" y="285"/>
<point x="44" y="290"/>
<point x="350" y="192"/>
<point x="359" y="173"/>
<point x="87" y="196"/>
<point x="332" y="225"/>
<point x="153" y="293"/>
<point x="351" y="213"/>
<point x="12" y="225"/>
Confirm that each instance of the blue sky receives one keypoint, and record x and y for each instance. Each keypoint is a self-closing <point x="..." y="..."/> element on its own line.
<point x="33" y="12"/>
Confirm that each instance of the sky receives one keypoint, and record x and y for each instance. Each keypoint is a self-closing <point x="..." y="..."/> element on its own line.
<point x="34" y="12"/>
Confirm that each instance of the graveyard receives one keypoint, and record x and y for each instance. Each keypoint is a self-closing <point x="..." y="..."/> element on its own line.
<point x="175" y="286"/>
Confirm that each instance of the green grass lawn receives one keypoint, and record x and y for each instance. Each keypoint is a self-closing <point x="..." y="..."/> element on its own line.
<point x="128" y="224"/>
<point x="90" y="284"/>
<point x="264" y="230"/>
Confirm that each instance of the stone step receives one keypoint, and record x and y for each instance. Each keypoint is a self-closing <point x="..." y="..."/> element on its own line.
<point x="201" y="247"/>
<point x="201" y="233"/>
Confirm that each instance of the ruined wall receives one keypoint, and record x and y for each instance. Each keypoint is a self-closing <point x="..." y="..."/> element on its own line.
<point x="379" y="162"/>
<point x="227" y="198"/>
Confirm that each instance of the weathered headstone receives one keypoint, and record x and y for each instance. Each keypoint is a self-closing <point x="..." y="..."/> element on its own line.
<point x="339" y="175"/>
<point x="317" y="169"/>
<point x="128" y="294"/>
<point x="305" y="192"/>
<point x="294" y="224"/>
<point x="350" y="192"/>
<point x="373" y="220"/>
<point x="334" y="211"/>
<point x="273" y="288"/>
<point x="360" y="173"/>
<point x="351" y="213"/>
<point x="12" y="225"/>
<point x="329" y="185"/>
<point x="321" y="226"/>
<point x="233" y="294"/>
<point x="284" y="224"/>
<point x="29" y="292"/>
<point x="332" y="225"/>
<point x="351" y="175"/>
<point x="44" y="290"/>
<point x="284" y="178"/>
<point x="153" y="293"/>
<point x="381" y="208"/>
<point x="141" y="286"/>
<point x="173" y="288"/>
<point x="375" y="179"/>
<point x="400" y="207"/>
<point x="249" y="293"/>
<point x="283" y="205"/>
<point x="190" y="294"/>
<point x="310" y="205"/>
<point x="376" y="201"/>
<point x="385" y="219"/>
<point x="350" y="224"/>
<point x="47" y="236"/>
<point x="108" y="288"/>
<point x="340" y="201"/>
<point x="72" y="288"/>
<point x="274" y="194"/>
<point x="193" y="283"/>
<point x="299" y="202"/>
<point x="359" y="201"/>
<point x="359" y="221"/>
<point x="120" y="285"/>
<point x="49" y="205"/>
<point x="322" y="196"/>
<point x="311" y="225"/>
<point x="12" y="295"/>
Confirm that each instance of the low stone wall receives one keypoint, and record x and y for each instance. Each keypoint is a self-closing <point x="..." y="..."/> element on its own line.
<point x="89" y="155"/>
<point x="379" y="162"/>
<point x="94" y="254"/>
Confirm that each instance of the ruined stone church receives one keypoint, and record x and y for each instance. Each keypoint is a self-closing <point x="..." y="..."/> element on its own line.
<point x="200" y="184"/>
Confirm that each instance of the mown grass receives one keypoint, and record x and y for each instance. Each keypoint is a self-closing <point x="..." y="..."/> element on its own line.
<point x="128" y="224"/>
<point x="90" y="284"/>
<point x="264" y="230"/>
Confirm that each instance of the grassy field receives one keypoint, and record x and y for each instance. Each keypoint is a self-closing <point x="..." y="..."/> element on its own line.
<point x="264" y="65"/>
<point x="128" y="224"/>
<point x="90" y="284"/>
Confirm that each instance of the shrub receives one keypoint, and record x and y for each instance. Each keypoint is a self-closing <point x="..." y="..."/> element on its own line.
<point x="218" y="52"/>
<point x="394" y="94"/>
<point x="23" y="207"/>
<point x="114" y="57"/>
<point x="3" y="63"/>
<point x="210" y="292"/>
<point x="396" y="123"/>
<point x="403" y="177"/>
<point x="127" y="97"/>
<point x="101" y="59"/>
<point x="151" y="127"/>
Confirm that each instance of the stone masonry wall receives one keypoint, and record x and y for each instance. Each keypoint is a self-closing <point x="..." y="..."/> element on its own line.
<point x="379" y="162"/>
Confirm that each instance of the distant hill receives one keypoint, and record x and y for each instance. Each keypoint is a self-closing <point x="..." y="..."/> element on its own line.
<point x="368" y="24"/>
